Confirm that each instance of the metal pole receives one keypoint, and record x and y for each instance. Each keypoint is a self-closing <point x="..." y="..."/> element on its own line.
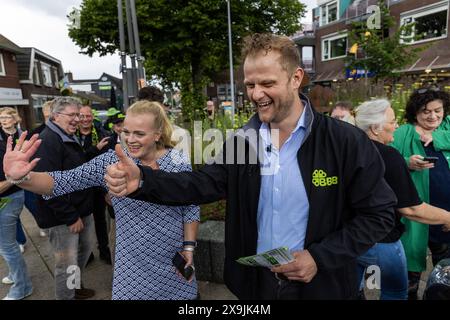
<point x="231" y="61"/>
<point x="140" y="58"/>
<point x="132" y="51"/>
<point x="123" y="56"/>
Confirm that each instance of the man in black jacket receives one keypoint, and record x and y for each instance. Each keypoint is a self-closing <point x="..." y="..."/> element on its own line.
<point x="94" y="140"/>
<point x="69" y="218"/>
<point x="341" y="202"/>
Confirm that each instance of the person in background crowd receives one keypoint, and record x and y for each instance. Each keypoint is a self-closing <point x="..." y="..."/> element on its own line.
<point x="151" y="93"/>
<point x="343" y="111"/>
<point x="46" y="112"/>
<point x="116" y="126"/>
<point x="10" y="126"/>
<point x="426" y="133"/>
<point x="317" y="187"/>
<point x="94" y="141"/>
<point x="210" y="109"/>
<point x="12" y="199"/>
<point x="68" y="218"/>
<point x="377" y="119"/>
<point x="148" y="235"/>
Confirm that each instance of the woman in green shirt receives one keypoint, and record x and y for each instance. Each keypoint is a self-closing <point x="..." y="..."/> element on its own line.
<point x="426" y="134"/>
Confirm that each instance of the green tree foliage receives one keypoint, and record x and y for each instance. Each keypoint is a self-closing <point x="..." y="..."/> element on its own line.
<point x="185" y="41"/>
<point x="381" y="50"/>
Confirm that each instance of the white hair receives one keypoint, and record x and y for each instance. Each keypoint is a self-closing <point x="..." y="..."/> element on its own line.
<point x="60" y="103"/>
<point x="371" y="113"/>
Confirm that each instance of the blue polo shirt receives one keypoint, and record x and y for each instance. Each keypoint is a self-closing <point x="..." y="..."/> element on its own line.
<point x="283" y="206"/>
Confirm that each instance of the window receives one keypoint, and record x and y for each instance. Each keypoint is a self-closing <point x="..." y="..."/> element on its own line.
<point x="430" y="23"/>
<point x="2" y="66"/>
<point x="37" y="106"/>
<point x="224" y="91"/>
<point x="46" y="75"/>
<point x="36" y="79"/>
<point x="55" y="76"/>
<point x="329" y="13"/>
<point x="334" y="47"/>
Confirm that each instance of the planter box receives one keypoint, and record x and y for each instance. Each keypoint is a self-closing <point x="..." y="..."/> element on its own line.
<point x="210" y="253"/>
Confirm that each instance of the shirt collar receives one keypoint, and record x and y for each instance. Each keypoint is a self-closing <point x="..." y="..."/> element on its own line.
<point x="300" y="123"/>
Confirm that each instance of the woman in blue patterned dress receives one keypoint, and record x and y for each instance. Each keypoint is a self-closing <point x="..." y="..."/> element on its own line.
<point x="148" y="235"/>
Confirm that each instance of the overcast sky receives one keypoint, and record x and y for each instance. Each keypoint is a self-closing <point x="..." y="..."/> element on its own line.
<point x="43" y="24"/>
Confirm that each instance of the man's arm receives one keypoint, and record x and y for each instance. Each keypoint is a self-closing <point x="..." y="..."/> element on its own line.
<point x="203" y="186"/>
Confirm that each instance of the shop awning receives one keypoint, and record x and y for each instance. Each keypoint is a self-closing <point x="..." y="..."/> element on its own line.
<point x="428" y="63"/>
<point x="329" y="76"/>
<point x="20" y="102"/>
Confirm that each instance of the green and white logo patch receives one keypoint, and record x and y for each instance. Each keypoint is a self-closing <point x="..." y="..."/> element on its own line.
<point x="320" y="179"/>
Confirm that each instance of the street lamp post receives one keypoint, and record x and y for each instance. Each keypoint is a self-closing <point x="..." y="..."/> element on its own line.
<point x="134" y="88"/>
<point x="140" y="58"/>
<point x="123" y="55"/>
<point x="230" y="48"/>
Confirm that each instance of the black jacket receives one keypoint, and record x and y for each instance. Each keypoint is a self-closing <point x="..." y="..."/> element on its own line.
<point x="346" y="218"/>
<point x="58" y="151"/>
<point x="89" y="147"/>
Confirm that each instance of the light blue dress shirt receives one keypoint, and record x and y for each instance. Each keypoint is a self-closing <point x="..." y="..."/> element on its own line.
<point x="283" y="206"/>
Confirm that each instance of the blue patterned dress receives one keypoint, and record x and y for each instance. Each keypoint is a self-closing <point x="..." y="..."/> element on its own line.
<point x="147" y="235"/>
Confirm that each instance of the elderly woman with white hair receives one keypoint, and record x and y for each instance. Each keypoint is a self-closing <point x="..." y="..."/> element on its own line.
<point x="378" y="120"/>
<point x="11" y="233"/>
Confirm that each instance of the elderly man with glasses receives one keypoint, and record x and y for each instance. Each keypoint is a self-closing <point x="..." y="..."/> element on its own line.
<point x="68" y="218"/>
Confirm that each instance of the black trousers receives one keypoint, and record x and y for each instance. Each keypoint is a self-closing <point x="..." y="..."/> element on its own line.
<point x="273" y="288"/>
<point x="101" y="229"/>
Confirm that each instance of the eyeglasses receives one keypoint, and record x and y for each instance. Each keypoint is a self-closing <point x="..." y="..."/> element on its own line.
<point x="6" y="117"/>
<point x="85" y="116"/>
<point x="424" y="90"/>
<point x="393" y="122"/>
<point x="70" y="115"/>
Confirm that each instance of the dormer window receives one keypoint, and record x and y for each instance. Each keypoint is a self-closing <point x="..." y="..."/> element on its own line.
<point x="329" y="12"/>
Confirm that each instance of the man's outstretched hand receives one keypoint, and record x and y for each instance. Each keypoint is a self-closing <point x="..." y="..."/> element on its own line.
<point x="16" y="162"/>
<point x="122" y="178"/>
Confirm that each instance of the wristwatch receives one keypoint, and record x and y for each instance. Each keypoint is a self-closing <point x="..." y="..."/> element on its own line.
<point x="190" y="244"/>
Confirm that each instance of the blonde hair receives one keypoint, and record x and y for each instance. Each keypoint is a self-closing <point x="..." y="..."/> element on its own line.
<point x="12" y="112"/>
<point x="161" y="122"/>
<point x="47" y="106"/>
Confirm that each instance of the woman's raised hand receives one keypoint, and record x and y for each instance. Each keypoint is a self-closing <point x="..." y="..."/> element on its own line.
<point x="16" y="162"/>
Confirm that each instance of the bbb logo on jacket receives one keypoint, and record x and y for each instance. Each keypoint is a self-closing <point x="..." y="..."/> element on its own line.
<point x="320" y="179"/>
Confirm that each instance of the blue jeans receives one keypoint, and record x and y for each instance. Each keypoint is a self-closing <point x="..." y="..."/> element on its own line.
<point x="391" y="259"/>
<point x="20" y="234"/>
<point x="31" y="202"/>
<point x="9" y="248"/>
<point x="71" y="250"/>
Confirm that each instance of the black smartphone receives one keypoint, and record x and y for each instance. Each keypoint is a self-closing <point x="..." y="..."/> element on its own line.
<point x="180" y="263"/>
<point x="430" y="159"/>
